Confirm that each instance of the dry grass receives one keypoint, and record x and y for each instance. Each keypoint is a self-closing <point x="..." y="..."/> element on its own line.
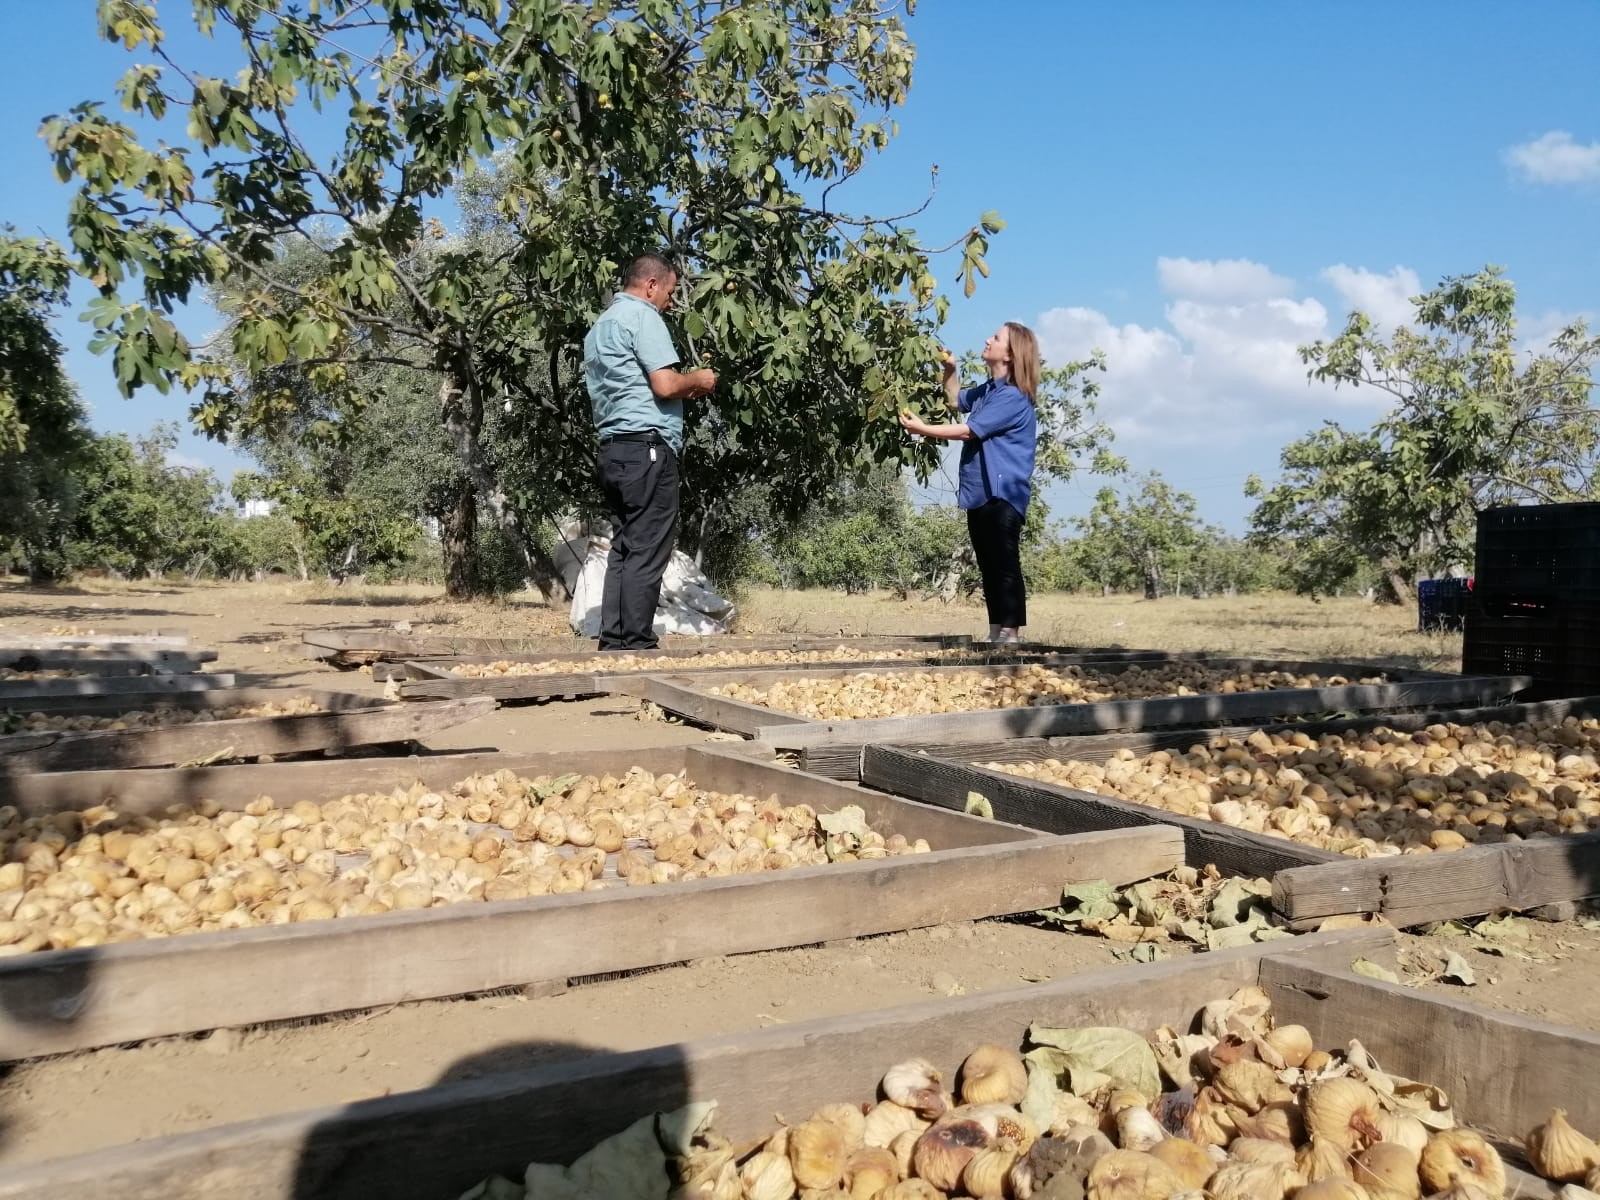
<point x="1276" y="626"/>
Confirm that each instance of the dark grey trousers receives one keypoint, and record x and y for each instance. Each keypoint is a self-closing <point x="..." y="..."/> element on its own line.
<point x="640" y="482"/>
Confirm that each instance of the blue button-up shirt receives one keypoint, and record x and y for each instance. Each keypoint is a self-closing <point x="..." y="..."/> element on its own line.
<point x="628" y="342"/>
<point x="997" y="461"/>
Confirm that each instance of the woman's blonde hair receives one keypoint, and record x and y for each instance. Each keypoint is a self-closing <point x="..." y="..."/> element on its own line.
<point x="1024" y="370"/>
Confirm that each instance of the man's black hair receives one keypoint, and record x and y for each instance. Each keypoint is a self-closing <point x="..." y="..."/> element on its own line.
<point x="645" y="266"/>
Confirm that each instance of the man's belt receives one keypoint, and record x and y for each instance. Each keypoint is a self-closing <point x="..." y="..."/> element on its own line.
<point x="650" y="436"/>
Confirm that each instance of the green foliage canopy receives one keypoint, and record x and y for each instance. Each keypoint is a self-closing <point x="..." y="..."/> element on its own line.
<point x="1474" y="423"/>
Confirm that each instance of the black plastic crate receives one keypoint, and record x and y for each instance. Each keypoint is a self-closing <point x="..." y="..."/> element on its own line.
<point x="1442" y="604"/>
<point x="1547" y="553"/>
<point x="1557" y="644"/>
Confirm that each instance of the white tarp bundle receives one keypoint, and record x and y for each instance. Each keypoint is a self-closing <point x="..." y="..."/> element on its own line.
<point x="687" y="605"/>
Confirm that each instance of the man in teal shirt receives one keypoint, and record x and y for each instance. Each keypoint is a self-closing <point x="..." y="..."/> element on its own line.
<point x="637" y="398"/>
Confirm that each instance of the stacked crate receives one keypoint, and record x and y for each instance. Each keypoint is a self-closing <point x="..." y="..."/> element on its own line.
<point x="1442" y="605"/>
<point x="1535" y="607"/>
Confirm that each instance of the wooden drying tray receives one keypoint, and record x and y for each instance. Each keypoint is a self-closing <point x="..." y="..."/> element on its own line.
<point x="110" y="661"/>
<point x="55" y="1001"/>
<point x="435" y="678"/>
<point x="354" y="647"/>
<point x="833" y="748"/>
<point x="440" y="1141"/>
<point x="1309" y="885"/>
<point x="346" y="720"/>
<point x="33" y="695"/>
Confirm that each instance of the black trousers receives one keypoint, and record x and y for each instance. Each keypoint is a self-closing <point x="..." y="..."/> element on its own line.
<point x="996" y="533"/>
<point x="640" y="482"/>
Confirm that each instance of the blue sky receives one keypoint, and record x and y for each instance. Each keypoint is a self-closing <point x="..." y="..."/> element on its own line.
<point x="1193" y="188"/>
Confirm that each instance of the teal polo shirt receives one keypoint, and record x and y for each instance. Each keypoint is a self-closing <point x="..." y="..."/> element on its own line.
<point x="628" y="342"/>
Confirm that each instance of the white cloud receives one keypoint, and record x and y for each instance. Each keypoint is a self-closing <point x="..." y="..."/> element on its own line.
<point x="1217" y="383"/>
<point x="1385" y="298"/>
<point x="1223" y="280"/>
<point x="184" y="462"/>
<point x="1556" y="157"/>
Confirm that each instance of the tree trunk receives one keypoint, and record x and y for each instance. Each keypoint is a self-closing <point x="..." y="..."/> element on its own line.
<point x="463" y="421"/>
<point x="457" y="538"/>
<point x="1152" y="578"/>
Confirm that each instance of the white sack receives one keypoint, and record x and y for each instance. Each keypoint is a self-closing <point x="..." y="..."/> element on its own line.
<point x="688" y="605"/>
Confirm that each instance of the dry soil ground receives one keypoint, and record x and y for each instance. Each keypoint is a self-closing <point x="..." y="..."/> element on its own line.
<point x="78" y="1102"/>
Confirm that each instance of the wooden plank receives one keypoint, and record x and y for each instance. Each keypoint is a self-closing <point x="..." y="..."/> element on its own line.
<point x="142" y="791"/>
<point x="843" y="761"/>
<point x="1504" y="1072"/>
<point x="719" y="712"/>
<point x="246" y="737"/>
<point x="59" y="1001"/>
<point x="435" y="678"/>
<point x="355" y="645"/>
<point x="21" y="694"/>
<point x="428" y="682"/>
<point x="1056" y="809"/>
<point x="114" y="641"/>
<point x="124" y="660"/>
<point x="473" y="1127"/>
<point x="1062" y="719"/>
<point x="1413" y="889"/>
<point x="189" y="700"/>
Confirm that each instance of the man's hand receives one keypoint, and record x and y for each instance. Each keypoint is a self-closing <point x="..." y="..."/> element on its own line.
<point x="948" y="362"/>
<point x="703" y="381"/>
<point x="911" y="423"/>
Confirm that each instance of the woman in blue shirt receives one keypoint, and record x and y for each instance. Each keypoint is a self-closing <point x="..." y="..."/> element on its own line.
<point x="998" y="437"/>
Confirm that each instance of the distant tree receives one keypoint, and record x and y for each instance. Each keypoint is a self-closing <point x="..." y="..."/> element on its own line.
<point x="138" y="514"/>
<point x="1139" y="538"/>
<point x="44" y="432"/>
<point x="1473" y="424"/>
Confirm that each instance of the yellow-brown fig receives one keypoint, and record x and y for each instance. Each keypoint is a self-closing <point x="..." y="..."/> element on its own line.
<point x="1388" y="1171"/>
<point x="817" y="1153"/>
<point x="1249" y="1084"/>
<point x="1293" y="1044"/>
<point x="993" y="1075"/>
<point x="1402" y="1130"/>
<point x="943" y="1152"/>
<point x="886" y="1121"/>
<point x="767" y="1176"/>
<point x="912" y="1189"/>
<point x="1333" y="1189"/>
<point x="1254" y="1181"/>
<point x="1261" y="1150"/>
<point x="850" y="1121"/>
<point x="1461" y="1156"/>
<point x="914" y="1084"/>
<point x="1131" y="1175"/>
<point x="869" y="1171"/>
<point x="1558" y="1151"/>
<point x="986" y="1172"/>
<point x="1188" y="1160"/>
<point x="1343" y="1111"/>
